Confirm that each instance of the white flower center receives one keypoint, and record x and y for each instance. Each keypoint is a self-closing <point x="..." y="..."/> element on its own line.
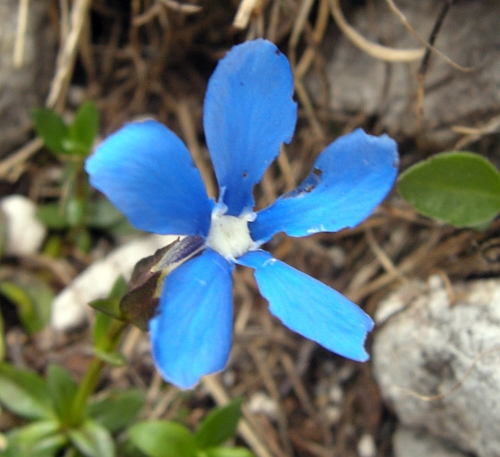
<point x="229" y="235"/>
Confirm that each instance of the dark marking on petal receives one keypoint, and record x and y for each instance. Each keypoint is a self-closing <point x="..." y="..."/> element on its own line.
<point x="308" y="185"/>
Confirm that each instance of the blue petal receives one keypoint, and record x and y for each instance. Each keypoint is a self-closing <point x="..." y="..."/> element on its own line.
<point x="147" y="173"/>
<point x="309" y="307"/>
<point x="248" y="113"/>
<point x="349" y="179"/>
<point x="191" y="335"/>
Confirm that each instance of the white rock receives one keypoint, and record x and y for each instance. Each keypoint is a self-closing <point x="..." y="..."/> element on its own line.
<point x="360" y="83"/>
<point x="25" y="233"/>
<point x="449" y="351"/>
<point x="412" y="443"/>
<point x="70" y="308"/>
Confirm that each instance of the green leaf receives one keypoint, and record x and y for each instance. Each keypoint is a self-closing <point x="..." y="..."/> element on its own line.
<point x="2" y="340"/>
<point x="163" y="439"/>
<point x="74" y="209"/>
<point x="219" y="425"/>
<point x="92" y="440"/>
<point x="119" y="410"/>
<point x="38" y="439"/>
<point x="32" y="297"/>
<point x="51" y="128"/>
<point x="116" y="359"/>
<point x="62" y="389"/>
<point x="461" y="188"/>
<point x="102" y="214"/>
<point x="24" y="393"/>
<point x="83" y="130"/>
<point x="227" y="452"/>
<point x="52" y="216"/>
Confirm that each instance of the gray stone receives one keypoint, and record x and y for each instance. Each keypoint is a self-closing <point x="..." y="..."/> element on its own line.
<point x="24" y="88"/>
<point x="413" y="443"/>
<point x="469" y="36"/>
<point x="438" y="362"/>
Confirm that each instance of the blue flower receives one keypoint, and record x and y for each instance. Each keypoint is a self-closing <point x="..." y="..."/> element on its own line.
<point x="147" y="172"/>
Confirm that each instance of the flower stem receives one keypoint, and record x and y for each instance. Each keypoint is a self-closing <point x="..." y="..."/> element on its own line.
<point x="91" y="378"/>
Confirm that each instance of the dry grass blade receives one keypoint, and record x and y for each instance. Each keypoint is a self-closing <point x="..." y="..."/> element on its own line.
<point x="428" y="45"/>
<point x="373" y="49"/>
<point x="67" y="55"/>
<point x="12" y="167"/>
<point x="181" y="7"/>
<point x="248" y="434"/>
<point x="22" y="23"/>
<point x="244" y="12"/>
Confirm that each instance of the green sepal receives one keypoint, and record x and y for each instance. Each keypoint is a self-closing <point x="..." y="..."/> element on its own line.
<point x="108" y="310"/>
<point x="141" y="301"/>
<point x="108" y="306"/>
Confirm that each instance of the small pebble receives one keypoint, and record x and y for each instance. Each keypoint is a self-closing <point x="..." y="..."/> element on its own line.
<point x="261" y="403"/>
<point x="25" y="233"/>
<point x="366" y="446"/>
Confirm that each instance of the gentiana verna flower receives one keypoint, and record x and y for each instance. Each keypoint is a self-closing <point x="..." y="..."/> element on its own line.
<point x="148" y="173"/>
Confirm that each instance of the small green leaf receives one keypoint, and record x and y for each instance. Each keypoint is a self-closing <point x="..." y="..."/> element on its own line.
<point x="82" y="239"/>
<point x="52" y="216"/>
<point x="75" y="208"/>
<point x="461" y="188"/>
<point x="163" y="439"/>
<point x="51" y="128"/>
<point x="24" y="304"/>
<point x="102" y="214"/>
<point x="32" y="297"/>
<point x="219" y="425"/>
<point x="228" y="452"/>
<point x="38" y="439"/>
<point x="92" y="440"/>
<point x="62" y="389"/>
<point x="24" y="393"/>
<point x="84" y="128"/>
<point x="2" y="340"/>
<point x="116" y="359"/>
<point x="119" y="410"/>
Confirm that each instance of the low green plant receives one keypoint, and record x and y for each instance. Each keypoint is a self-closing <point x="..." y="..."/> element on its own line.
<point x="458" y="187"/>
<point x="62" y="417"/>
<point x="75" y="212"/>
